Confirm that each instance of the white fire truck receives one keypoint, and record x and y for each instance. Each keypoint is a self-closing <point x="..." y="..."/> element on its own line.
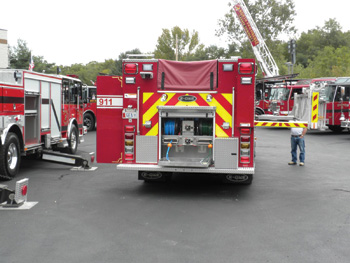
<point x="186" y="117"/>
<point x="37" y="112"/>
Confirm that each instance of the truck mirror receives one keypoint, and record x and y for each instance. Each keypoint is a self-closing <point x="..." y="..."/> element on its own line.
<point x="342" y="91"/>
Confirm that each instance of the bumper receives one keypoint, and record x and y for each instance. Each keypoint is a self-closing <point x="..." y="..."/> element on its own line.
<point x="157" y="168"/>
<point x="345" y="124"/>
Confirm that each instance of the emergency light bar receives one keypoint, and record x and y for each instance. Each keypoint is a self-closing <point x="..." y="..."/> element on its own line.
<point x="131" y="68"/>
<point x="245" y="68"/>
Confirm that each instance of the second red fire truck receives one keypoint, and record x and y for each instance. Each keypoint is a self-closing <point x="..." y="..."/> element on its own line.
<point x="37" y="112"/>
<point x="89" y="100"/>
<point x="186" y="117"/>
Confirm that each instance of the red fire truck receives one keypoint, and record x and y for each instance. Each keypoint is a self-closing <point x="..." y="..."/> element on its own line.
<point x="184" y="117"/>
<point x="37" y="112"/>
<point x="282" y="95"/>
<point x="89" y="100"/>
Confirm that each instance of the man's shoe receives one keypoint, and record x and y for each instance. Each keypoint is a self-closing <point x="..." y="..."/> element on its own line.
<point x="301" y="164"/>
<point x="292" y="163"/>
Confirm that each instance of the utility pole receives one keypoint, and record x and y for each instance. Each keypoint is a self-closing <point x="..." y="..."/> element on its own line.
<point x="177" y="49"/>
<point x="292" y="51"/>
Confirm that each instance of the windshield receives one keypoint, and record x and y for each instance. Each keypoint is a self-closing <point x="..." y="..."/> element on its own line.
<point x="304" y="82"/>
<point x="279" y="94"/>
<point x="342" y="80"/>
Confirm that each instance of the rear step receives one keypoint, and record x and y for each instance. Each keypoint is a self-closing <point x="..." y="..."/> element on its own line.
<point x="83" y="162"/>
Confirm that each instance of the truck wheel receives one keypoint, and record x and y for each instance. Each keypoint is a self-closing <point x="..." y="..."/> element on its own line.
<point x="89" y="121"/>
<point x="237" y="179"/>
<point x="10" y="157"/>
<point x="73" y="140"/>
<point x="259" y="112"/>
<point x="335" y="128"/>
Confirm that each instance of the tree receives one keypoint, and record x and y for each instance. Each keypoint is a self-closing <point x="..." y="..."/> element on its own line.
<point x="19" y="55"/>
<point x="312" y="42"/>
<point x="187" y="43"/>
<point x="272" y="17"/>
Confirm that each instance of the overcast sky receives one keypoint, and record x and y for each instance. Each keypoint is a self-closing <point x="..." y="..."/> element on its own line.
<point x="75" y="31"/>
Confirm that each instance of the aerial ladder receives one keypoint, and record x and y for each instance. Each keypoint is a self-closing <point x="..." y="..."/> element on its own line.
<point x="261" y="52"/>
<point x="267" y="64"/>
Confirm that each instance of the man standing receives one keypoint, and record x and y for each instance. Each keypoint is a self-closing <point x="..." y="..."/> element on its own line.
<point x="297" y="139"/>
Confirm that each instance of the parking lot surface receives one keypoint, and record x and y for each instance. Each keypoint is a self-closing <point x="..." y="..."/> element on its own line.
<point x="288" y="214"/>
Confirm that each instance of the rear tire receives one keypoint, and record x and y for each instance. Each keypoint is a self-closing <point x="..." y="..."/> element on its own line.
<point x="10" y="157"/>
<point x="89" y="121"/>
<point x="335" y="128"/>
<point x="73" y="140"/>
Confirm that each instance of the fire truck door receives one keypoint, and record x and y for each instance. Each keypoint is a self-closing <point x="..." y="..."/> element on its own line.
<point x="55" y="106"/>
<point x="45" y="106"/>
<point x="75" y="90"/>
<point x="31" y="113"/>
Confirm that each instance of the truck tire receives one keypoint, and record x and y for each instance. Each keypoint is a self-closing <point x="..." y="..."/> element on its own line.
<point x="73" y="140"/>
<point x="335" y="128"/>
<point x="10" y="157"/>
<point x="89" y="121"/>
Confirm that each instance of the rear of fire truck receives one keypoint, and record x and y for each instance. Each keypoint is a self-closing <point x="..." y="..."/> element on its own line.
<point x="185" y="117"/>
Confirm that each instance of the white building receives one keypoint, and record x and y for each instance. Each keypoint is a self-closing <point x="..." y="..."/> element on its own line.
<point x="4" y="52"/>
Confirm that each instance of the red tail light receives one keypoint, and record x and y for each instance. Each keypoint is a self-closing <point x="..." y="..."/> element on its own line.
<point x="129" y="156"/>
<point x="246" y="68"/>
<point x="130" y="68"/>
<point x="245" y="159"/>
<point x="24" y="190"/>
<point x="245" y="139"/>
<point x="129" y="128"/>
<point x="245" y="131"/>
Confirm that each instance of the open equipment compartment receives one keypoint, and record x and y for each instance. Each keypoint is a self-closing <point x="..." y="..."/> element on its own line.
<point x="187" y="136"/>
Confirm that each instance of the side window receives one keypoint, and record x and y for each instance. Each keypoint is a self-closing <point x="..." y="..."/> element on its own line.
<point x="298" y="91"/>
<point x="92" y="94"/>
<point x="72" y="92"/>
<point x="65" y="91"/>
<point x="347" y="93"/>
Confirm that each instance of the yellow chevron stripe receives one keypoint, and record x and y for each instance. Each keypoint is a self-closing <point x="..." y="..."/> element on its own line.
<point x="221" y="111"/>
<point x="281" y="124"/>
<point x="153" y="131"/>
<point x="153" y="109"/>
<point x="228" y="97"/>
<point x="219" y="132"/>
<point x="146" y="96"/>
<point x="314" y="118"/>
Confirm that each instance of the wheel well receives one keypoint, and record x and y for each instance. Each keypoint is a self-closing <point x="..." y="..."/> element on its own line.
<point x="259" y="110"/>
<point x="16" y="130"/>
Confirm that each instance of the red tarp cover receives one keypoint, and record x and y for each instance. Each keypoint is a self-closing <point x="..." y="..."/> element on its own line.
<point x="194" y="75"/>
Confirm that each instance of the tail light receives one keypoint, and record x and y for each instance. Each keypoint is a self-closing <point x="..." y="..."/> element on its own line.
<point x="21" y="191"/>
<point x="245" y="146"/>
<point x="129" y="143"/>
<point x="130" y="68"/>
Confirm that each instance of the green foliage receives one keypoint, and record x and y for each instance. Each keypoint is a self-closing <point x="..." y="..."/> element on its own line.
<point x="272" y="17"/>
<point x="19" y="55"/>
<point x="187" y="43"/>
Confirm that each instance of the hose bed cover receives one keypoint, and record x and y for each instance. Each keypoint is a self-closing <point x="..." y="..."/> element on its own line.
<point x="194" y="75"/>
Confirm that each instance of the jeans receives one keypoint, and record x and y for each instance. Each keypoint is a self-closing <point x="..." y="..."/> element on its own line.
<point x="295" y="141"/>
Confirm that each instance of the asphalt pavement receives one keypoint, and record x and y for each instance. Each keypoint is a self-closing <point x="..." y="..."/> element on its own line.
<point x="288" y="214"/>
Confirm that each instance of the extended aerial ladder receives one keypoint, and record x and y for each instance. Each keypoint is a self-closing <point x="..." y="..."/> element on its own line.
<point x="260" y="49"/>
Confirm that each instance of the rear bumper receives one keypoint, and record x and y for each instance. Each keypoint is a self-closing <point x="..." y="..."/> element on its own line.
<point x="210" y="170"/>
